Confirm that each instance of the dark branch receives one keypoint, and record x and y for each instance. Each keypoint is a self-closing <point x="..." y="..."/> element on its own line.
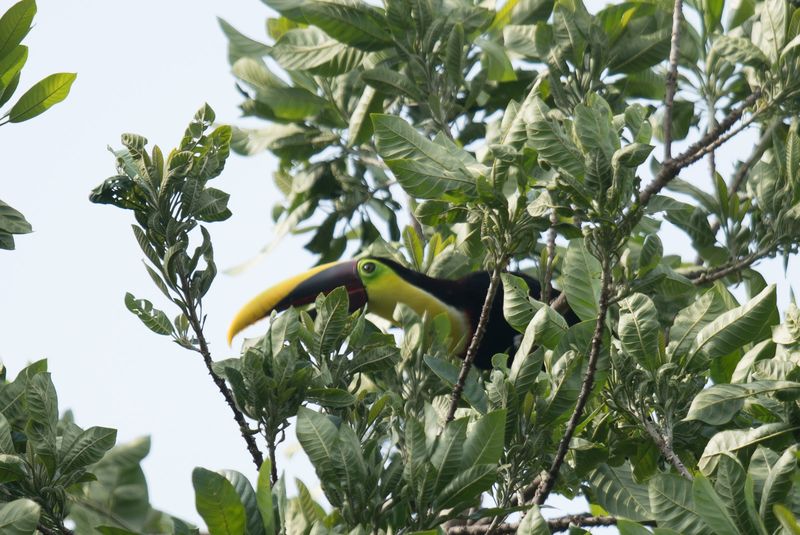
<point x="664" y="444"/>
<point x="704" y="277"/>
<point x="549" y="479"/>
<point x="472" y="350"/>
<point x="547" y="287"/>
<point x="672" y="77"/>
<point x="741" y="173"/>
<point x="713" y="139"/>
<point x="557" y="524"/>
<point x="197" y="327"/>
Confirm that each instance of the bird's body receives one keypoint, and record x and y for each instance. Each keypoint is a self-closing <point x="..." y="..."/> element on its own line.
<point x="381" y="284"/>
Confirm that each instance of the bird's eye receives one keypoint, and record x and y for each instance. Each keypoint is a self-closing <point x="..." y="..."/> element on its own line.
<point x="368" y="267"/>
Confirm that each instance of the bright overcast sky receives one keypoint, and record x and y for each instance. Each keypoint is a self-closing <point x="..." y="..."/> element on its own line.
<point x="143" y="67"/>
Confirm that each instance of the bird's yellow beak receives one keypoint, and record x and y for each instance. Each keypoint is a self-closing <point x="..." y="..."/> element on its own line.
<point x="301" y="290"/>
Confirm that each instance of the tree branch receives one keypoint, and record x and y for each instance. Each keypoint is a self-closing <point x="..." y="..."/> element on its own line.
<point x="672" y="77"/>
<point x="741" y="173"/>
<point x="472" y="350"/>
<point x="549" y="479"/>
<point x="244" y="429"/>
<point x="670" y="168"/>
<point x="665" y="447"/>
<point x="556" y="524"/>
<point x="547" y="287"/>
<point x="703" y="277"/>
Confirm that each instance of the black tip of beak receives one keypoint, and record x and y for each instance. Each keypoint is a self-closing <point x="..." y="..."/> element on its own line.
<point x="343" y="274"/>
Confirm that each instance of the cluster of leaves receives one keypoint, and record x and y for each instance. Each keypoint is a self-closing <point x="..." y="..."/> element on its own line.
<point x="14" y="26"/>
<point x="169" y="198"/>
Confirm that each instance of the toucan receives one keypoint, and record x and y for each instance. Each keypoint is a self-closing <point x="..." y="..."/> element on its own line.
<point x="380" y="284"/>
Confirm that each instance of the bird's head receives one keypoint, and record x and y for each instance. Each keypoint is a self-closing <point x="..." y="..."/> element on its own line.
<point x="377" y="282"/>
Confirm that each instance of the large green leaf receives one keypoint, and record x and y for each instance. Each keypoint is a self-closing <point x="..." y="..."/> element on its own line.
<point x="777" y="485"/>
<point x="639" y="330"/>
<point x="581" y="280"/>
<point x="15" y="25"/>
<point x="719" y="404"/>
<point x="218" y="504"/>
<point x="239" y="45"/>
<point x="711" y="507"/>
<point x="319" y="438"/>
<point x="773" y="23"/>
<point x="736" y="492"/>
<point x="264" y="497"/>
<point x="739" y="50"/>
<point x="736" y="328"/>
<point x="312" y="50"/>
<point x="485" y="439"/>
<point x="692" y="319"/>
<point x="44" y="94"/>
<point x="247" y="496"/>
<point x="88" y="447"/>
<point x="154" y="319"/>
<point x="615" y="490"/>
<point x="672" y="505"/>
<point x="467" y="486"/>
<point x="474" y="393"/>
<point x="734" y="440"/>
<point x="533" y="523"/>
<point x="10" y="66"/>
<point x="356" y="24"/>
<point x="19" y="517"/>
<point x="425" y="169"/>
<point x="518" y="307"/>
<point x="552" y="142"/>
<point x="446" y="457"/>
<point x="12" y="221"/>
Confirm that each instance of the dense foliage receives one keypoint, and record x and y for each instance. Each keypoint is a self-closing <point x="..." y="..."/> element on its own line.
<point x="520" y="136"/>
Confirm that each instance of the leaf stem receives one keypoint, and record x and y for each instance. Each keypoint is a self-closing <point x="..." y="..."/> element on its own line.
<point x="664" y="444"/>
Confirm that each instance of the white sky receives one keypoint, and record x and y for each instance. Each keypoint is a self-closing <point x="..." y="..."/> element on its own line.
<point x="143" y="67"/>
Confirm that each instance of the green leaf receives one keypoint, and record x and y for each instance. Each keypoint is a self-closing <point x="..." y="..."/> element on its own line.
<point x="247" y="497"/>
<point x="777" y="486"/>
<point x="552" y="143"/>
<point x="334" y="398"/>
<point x="618" y="493"/>
<point x="392" y="83"/>
<point x="264" y="497"/>
<point x="733" y="440"/>
<point x="692" y="319"/>
<point x="711" y="508"/>
<point x="425" y="169"/>
<point x="518" y="307"/>
<point x="639" y="330"/>
<point x="15" y="25"/>
<point x="736" y="490"/>
<point x="43" y="95"/>
<point x="496" y="62"/>
<point x="6" y="443"/>
<point x="355" y="24"/>
<point x="12" y="221"/>
<point x="474" y="393"/>
<point x="672" y="505"/>
<point x="787" y="519"/>
<point x="239" y="45"/>
<point x="736" y="328"/>
<point x="719" y="404"/>
<point x="12" y="468"/>
<point x="319" y="438"/>
<point x="773" y="22"/>
<point x="10" y="66"/>
<point x="581" y="280"/>
<point x="533" y="523"/>
<point x="19" y="517"/>
<point x="89" y="447"/>
<point x="739" y="50"/>
<point x="217" y="503"/>
<point x="332" y="314"/>
<point x="446" y="457"/>
<point x="360" y="126"/>
<point x="635" y="52"/>
<point x="467" y="486"/>
<point x="312" y="50"/>
<point x="154" y="319"/>
<point x="485" y="439"/>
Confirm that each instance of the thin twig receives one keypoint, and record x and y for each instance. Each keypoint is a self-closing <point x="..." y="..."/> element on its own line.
<point x="555" y="524"/>
<point x="547" y="286"/>
<point x="549" y="479"/>
<point x="477" y="337"/>
<point x="664" y="444"/>
<point x="741" y="173"/>
<point x="245" y="430"/>
<point x="273" y="463"/>
<point x="672" y="77"/>
<point x="704" y="277"/>
<point x="670" y="168"/>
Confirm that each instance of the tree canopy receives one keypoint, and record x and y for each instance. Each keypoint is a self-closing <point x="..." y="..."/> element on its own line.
<point x="452" y="137"/>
